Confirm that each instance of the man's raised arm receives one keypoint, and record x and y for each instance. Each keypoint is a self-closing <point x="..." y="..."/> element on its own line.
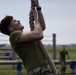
<point x="40" y="14"/>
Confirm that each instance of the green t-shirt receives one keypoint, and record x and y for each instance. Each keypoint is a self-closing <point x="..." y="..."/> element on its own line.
<point x="63" y="54"/>
<point x="27" y="51"/>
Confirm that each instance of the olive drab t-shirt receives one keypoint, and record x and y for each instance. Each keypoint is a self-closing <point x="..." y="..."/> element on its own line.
<point x="63" y="54"/>
<point x="27" y="51"/>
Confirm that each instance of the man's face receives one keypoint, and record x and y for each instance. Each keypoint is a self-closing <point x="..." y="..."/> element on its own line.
<point x="16" y="25"/>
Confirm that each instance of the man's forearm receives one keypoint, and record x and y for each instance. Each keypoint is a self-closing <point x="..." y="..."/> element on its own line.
<point x="41" y="19"/>
<point x="38" y="27"/>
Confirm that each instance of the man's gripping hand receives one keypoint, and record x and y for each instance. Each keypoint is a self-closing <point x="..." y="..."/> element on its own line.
<point x="36" y="3"/>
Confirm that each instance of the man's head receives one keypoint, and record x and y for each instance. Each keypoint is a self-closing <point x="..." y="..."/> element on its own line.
<point x="4" y="25"/>
<point x="8" y="24"/>
<point x="63" y="47"/>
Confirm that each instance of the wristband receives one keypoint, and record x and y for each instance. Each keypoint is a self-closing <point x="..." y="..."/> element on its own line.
<point x="38" y="8"/>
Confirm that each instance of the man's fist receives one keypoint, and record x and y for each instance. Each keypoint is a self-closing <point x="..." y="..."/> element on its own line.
<point x="36" y="3"/>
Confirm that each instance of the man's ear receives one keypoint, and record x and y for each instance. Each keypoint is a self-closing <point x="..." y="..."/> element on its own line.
<point x="11" y="29"/>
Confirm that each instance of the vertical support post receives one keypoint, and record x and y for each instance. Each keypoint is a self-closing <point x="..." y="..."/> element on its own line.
<point x="13" y="55"/>
<point x="13" y="58"/>
<point x="54" y="46"/>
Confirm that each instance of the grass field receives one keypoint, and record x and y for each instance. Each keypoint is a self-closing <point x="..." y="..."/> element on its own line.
<point x="71" y="51"/>
<point x="7" y="69"/>
<point x="11" y="72"/>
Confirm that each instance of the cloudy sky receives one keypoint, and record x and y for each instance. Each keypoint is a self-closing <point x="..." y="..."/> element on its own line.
<point x="60" y="17"/>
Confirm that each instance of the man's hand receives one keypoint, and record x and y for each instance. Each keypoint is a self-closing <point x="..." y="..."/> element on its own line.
<point x="36" y="3"/>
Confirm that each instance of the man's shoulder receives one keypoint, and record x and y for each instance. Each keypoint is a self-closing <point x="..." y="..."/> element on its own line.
<point x="16" y="32"/>
<point x="15" y="35"/>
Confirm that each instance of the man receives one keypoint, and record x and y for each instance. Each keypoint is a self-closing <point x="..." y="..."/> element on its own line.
<point x="24" y="43"/>
<point x="62" y="59"/>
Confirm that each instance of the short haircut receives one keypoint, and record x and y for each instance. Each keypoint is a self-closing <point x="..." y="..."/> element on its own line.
<point x="4" y="25"/>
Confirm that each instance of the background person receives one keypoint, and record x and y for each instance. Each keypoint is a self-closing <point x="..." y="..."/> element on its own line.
<point x="62" y="59"/>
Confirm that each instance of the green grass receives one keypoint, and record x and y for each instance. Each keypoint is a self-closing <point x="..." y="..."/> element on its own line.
<point x="10" y="72"/>
<point x="7" y="72"/>
<point x="71" y="51"/>
<point x="7" y="69"/>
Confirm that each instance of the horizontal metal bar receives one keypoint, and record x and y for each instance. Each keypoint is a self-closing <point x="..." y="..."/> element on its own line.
<point x="8" y="62"/>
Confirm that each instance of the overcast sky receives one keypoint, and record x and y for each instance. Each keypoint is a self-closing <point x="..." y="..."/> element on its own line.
<point x="60" y="17"/>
